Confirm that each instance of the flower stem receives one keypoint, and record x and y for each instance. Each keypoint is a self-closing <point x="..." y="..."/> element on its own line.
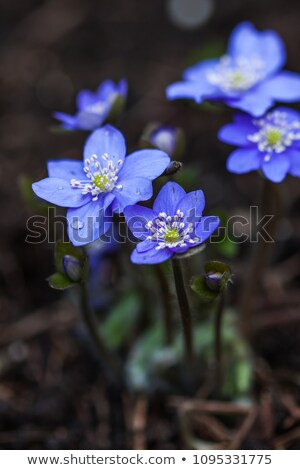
<point x="184" y="308"/>
<point x="218" y="341"/>
<point x="167" y="304"/>
<point x="88" y="316"/>
<point x="270" y="205"/>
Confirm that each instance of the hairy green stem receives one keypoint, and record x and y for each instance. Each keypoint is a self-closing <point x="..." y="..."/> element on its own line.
<point x="270" y="205"/>
<point x="184" y="309"/>
<point x="88" y="316"/>
<point x="218" y="341"/>
<point x="167" y="303"/>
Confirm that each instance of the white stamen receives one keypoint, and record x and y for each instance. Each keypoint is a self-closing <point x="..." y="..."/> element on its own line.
<point x="237" y="74"/>
<point x="274" y="134"/>
<point x="99" y="180"/>
<point x="170" y="231"/>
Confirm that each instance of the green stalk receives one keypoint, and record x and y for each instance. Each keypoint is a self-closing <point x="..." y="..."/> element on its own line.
<point x="270" y="205"/>
<point x="167" y="304"/>
<point x="184" y="309"/>
<point x="88" y="316"/>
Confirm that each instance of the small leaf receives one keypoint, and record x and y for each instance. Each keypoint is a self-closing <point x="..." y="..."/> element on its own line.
<point x="60" y="281"/>
<point x="122" y="320"/>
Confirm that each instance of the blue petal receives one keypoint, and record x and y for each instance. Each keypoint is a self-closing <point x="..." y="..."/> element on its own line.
<point x="59" y="192"/>
<point x="192" y="205"/>
<point x="85" y="98"/>
<point x="294" y="156"/>
<point x="88" y="121"/>
<point x="146" y="245"/>
<point x="198" y="72"/>
<point x="285" y="86"/>
<point x="88" y="223"/>
<point x="106" y="89"/>
<point x="192" y="90"/>
<point x="106" y="140"/>
<point x="133" y="190"/>
<point x="123" y="87"/>
<point x="68" y="122"/>
<point x="254" y="102"/>
<point x="136" y="219"/>
<point x="237" y="133"/>
<point x="168" y="198"/>
<point x="291" y="115"/>
<point x="244" y="160"/>
<point x="146" y="163"/>
<point x="206" y="227"/>
<point x="277" y="168"/>
<point x="245" y="41"/>
<point x="153" y="256"/>
<point x="66" y="169"/>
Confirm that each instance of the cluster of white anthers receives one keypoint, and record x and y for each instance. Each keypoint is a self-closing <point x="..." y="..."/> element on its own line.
<point x="99" y="180"/>
<point x="275" y="133"/>
<point x="236" y="74"/>
<point x="170" y="231"/>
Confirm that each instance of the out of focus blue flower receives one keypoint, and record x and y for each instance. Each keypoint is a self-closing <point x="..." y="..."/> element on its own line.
<point x="165" y="137"/>
<point x="105" y="182"/>
<point x="270" y="144"/>
<point x="173" y="226"/>
<point x="248" y="77"/>
<point x="94" y="108"/>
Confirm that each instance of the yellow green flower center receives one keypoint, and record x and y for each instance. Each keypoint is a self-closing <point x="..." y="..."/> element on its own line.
<point x="171" y="235"/>
<point x="237" y="78"/>
<point x="274" y="137"/>
<point x="100" y="181"/>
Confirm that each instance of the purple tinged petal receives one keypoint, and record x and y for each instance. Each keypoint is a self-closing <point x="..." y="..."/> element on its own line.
<point x="123" y="87"/>
<point x="244" y="160"/>
<point x="145" y="245"/>
<point x="245" y="41"/>
<point x="106" y="140"/>
<point x="276" y="169"/>
<point x="133" y="190"/>
<point x="254" y="102"/>
<point x="88" y="223"/>
<point x="152" y="256"/>
<point x="147" y="163"/>
<point x="85" y="98"/>
<point x="168" y="198"/>
<point x="206" y="227"/>
<point x="59" y="192"/>
<point x="66" y="169"/>
<point x="294" y="156"/>
<point x="285" y="86"/>
<point x="198" y="72"/>
<point x="68" y="122"/>
<point x="106" y="89"/>
<point x="136" y="219"/>
<point x="191" y="90"/>
<point x="237" y="132"/>
<point x="192" y="205"/>
<point x="88" y="120"/>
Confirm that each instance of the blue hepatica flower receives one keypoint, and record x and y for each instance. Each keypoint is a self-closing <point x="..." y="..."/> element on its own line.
<point x="93" y="108"/>
<point x="248" y="77"/>
<point x="105" y="182"/>
<point x="165" y="138"/>
<point x="270" y="144"/>
<point x="173" y="226"/>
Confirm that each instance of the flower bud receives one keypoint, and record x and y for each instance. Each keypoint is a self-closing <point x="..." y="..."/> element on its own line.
<point x="72" y="268"/>
<point x="168" y="138"/>
<point x="213" y="281"/>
